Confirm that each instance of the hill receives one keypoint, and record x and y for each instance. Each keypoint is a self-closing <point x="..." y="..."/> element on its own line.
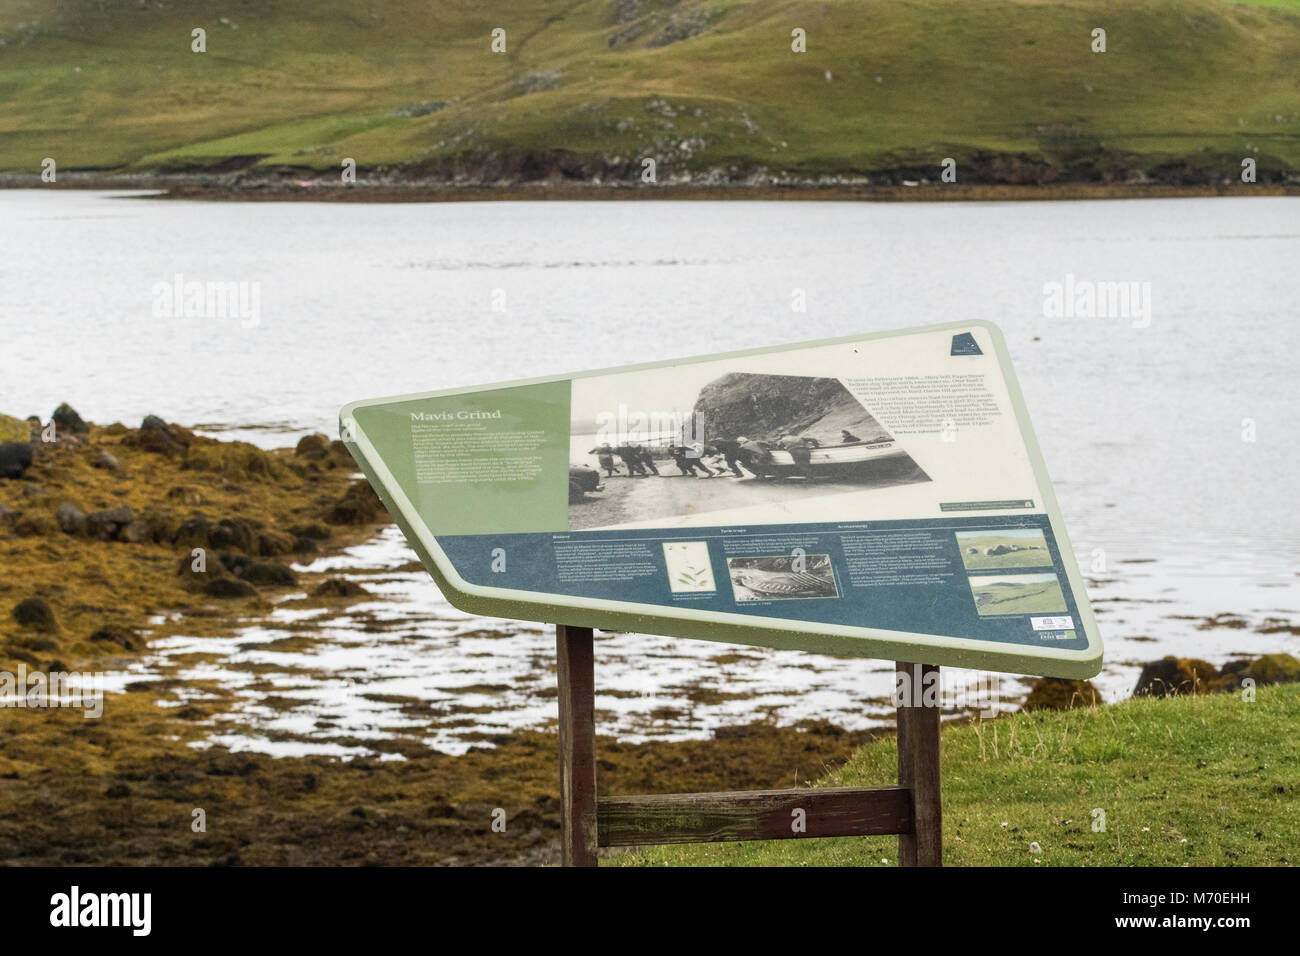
<point x="1204" y="780"/>
<point x="710" y="89"/>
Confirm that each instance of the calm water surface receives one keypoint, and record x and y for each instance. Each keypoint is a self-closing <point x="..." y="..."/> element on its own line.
<point x="1174" y="517"/>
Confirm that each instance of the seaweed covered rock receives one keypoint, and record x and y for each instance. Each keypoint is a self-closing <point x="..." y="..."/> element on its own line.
<point x="338" y="587"/>
<point x="198" y="569"/>
<point x="123" y="637"/>
<point x="15" y="459"/>
<point x="236" y="459"/>
<point x="1056" y="693"/>
<point x="1176" y="675"/>
<point x="270" y="543"/>
<point x="274" y="575"/>
<point x="1274" y="669"/>
<point x="359" y="505"/>
<point x="67" y="421"/>
<point x="35" y="613"/>
<point x="156" y="436"/>
<point x="15" y="430"/>
<point x="229" y="588"/>
<point x="313" y="447"/>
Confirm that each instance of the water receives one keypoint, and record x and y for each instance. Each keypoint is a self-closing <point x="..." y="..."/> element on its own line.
<point x="1175" y="518"/>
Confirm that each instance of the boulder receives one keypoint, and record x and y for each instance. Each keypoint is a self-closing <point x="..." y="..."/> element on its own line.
<point x="359" y="505"/>
<point x="107" y="461"/>
<point x="197" y="572"/>
<point x="157" y="436"/>
<point x="15" y="459"/>
<point x="271" y="543"/>
<point x="1176" y="675"/>
<point x="1274" y="669"/>
<point x="234" y="533"/>
<point x="337" y="587"/>
<point x="8" y="515"/>
<point x="123" y="637"/>
<point x="107" y="525"/>
<point x="316" y="530"/>
<point x="275" y="575"/>
<point x="35" y="613"/>
<point x="68" y="421"/>
<point x="1056" y="693"/>
<point x="313" y="447"/>
<point x="229" y="588"/>
<point x="71" y="519"/>
<point x="194" y="532"/>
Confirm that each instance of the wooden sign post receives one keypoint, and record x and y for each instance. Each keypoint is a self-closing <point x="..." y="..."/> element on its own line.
<point x="911" y="809"/>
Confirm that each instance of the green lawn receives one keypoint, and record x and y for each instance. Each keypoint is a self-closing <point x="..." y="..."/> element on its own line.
<point x="698" y="84"/>
<point x="1206" y="781"/>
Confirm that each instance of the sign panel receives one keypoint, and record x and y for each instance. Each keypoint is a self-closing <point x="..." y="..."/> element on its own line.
<point x="879" y="496"/>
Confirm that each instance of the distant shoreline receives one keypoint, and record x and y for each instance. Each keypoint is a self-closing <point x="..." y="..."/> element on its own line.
<point x="298" y="191"/>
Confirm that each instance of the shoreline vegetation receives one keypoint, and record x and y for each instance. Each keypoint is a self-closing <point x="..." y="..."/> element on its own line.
<point x="317" y="190"/>
<point x="98" y="529"/>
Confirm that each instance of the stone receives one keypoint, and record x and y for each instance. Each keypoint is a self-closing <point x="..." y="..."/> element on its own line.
<point x="67" y="420"/>
<point x="1056" y="693"/>
<point x="71" y="519"/>
<point x="313" y="447"/>
<point x="337" y="587"/>
<point x="107" y="461"/>
<point x="271" y="543"/>
<point x="155" y="435"/>
<point x="359" y="505"/>
<point x="15" y="459"/>
<point x="106" y="525"/>
<point x="1175" y="675"/>
<point x="35" y="613"/>
<point x="229" y="588"/>
<point x="1274" y="669"/>
<point x="276" y="575"/>
<point x="123" y="637"/>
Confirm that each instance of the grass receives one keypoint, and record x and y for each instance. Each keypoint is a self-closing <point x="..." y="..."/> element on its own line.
<point x="1209" y="780"/>
<point x="1010" y="88"/>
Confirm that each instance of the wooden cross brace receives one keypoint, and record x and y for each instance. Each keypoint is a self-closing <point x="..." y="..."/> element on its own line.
<point x="911" y="809"/>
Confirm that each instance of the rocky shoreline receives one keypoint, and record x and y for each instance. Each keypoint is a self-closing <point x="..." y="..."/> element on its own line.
<point x="316" y="186"/>
<point x="113" y="539"/>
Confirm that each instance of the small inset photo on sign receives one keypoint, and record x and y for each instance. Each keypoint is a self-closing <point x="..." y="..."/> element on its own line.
<point x="689" y="568"/>
<point x="1003" y="548"/>
<point x="782" y="577"/>
<point x="1017" y="594"/>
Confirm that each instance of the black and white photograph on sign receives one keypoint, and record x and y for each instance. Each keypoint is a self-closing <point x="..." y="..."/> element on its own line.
<point x="782" y="577"/>
<point x="663" y="447"/>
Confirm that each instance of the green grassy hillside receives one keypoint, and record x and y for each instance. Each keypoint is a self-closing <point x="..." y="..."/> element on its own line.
<point x="1203" y="781"/>
<point x="709" y="88"/>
